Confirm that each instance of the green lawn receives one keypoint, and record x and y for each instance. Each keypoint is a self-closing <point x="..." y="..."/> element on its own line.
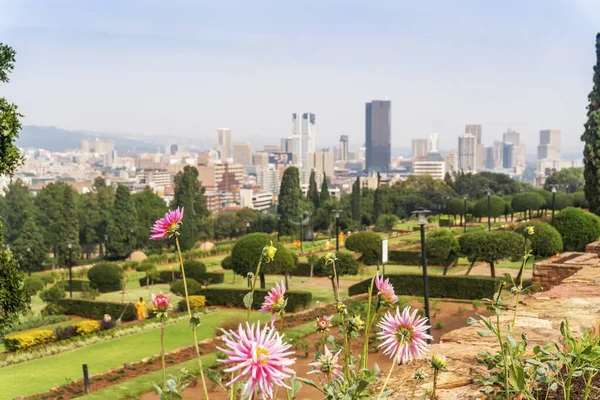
<point x="42" y="374"/>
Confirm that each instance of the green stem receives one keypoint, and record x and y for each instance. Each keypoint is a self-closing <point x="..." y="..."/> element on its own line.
<point x="435" y="376"/>
<point x="162" y="351"/>
<point x="588" y="387"/>
<point x="254" y="285"/>
<point x="189" y="310"/>
<point x="365" y="353"/>
<point x="521" y="272"/>
<point x="387" y="379"/>
<point x="323" y="342"/>
<point x="336" y="292"/>
<point x="346" y="349"/>
<point x="281" y="315"/>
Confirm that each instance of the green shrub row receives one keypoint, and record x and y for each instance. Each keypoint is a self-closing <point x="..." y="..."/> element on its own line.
<point x="208" y="278"/>
<point x="78" y="284"/>
<point x="404" y="257"/>
<point x="296" y="300"/>
<point x="97" y="309"/>
<point x="302" y="269"/>
<point x="453" y="287"/>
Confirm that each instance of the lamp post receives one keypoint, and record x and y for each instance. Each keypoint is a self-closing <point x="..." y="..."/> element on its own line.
<point x="247" y="227"/>
<point x="337" y="229"/>
<point x="489" y="195"/>
<point x="278" y="225"/>
<point x="70" y="262"/>
<point x="553" y="201"/>
<point x="465" y="215"/>
<point x="105" y="241"/>
<point x="28" y="261"/>
<point x="421" y="216"/>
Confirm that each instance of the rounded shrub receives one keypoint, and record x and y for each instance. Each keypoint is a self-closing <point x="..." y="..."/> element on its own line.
<point x="105" y="277"/>
<point x="345" y="264"/>
<point x="577" y="228"/>
<point x="33" y="284"/>
<point x="227" y="263"/>
<point x="442" y="247"/>
<point x="248" y="250"/>
<point x="53" y="294"/>
<point x="579" y="200"/>
<point x="193" y="287"/>
<point x="367" y="243"/>
<point x="527" y="201"/>
<point x="47" y="279"/>
<point x="545" y="241"/>
<point x="386" y="222"/>
<point x="195" y="270"/>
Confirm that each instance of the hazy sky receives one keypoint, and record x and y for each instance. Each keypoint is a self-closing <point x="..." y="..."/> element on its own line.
<point x="188" y="67"/>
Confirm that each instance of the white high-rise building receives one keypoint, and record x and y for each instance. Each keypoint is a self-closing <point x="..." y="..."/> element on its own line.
<point x="343" y="148"/>
<point x="419" y="148"/>
<point x="467" y="144"/>
<point x="475" y="130"/>
<point x="303" y="128"/>
<point x="549" y="148"/>
<point x="224" y="143"/>
<point x="433" y="143"/>
<point x="267" y="177"/>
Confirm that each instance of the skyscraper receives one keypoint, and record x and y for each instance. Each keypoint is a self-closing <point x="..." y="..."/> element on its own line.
<point x="498" y="152"/>
<point x="420" y="147"/>
<point x="475" y="130"/>
<point x="433" y="143"/>
<point x="242" y="153"/>
<point x="303" y="129"/>
<point x="549" y="148"/>
<point x="466" y="153"/>
<point x="344" y="148"/>
<point x="224" y="142"/>
<point x="378" y="135"/>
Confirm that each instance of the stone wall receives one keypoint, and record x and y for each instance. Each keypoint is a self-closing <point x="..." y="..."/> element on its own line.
<point x="551" y="272"/>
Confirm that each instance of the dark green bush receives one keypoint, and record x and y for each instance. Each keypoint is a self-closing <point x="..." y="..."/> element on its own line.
<point x="527" y="201"/>
<point x="404" y="257"/>
<point x="208" y="278"/>
<point x="248" y="250"/>
<point x="78" y="284"/>
<point x="367" y="243"/>
<point x="33" y="284"/>
<point x="106" y="277"/>
<point x="53" y="294"/>
<point x="194" y="269"/>
<point x="47" y="279"/>
<point x="345" y="264"/>
<point x="192" y="285"/>
<point x="493" y="246"/>
<point x="145" y="265"/>
<point x="296" y="300"/>
<point x="579" y="200"/>
<point x="302" y="269"/>
<point x="97" y="309"/>
<point x="446" y="221"/>
<point x="453" y="287"/>
<point x="546" y="240"/>
<point x="65" y="332"/>
<point x="442" y="248"/>
<point x="577" y="228"/>
<point x="227" y="263"/>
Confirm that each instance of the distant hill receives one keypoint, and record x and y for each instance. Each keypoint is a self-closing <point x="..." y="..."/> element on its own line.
<point x="55" y="139"/>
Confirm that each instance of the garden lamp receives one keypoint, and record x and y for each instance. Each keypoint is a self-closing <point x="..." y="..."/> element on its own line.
<point x="337" y="214"/>
<point x="421" y="216"/>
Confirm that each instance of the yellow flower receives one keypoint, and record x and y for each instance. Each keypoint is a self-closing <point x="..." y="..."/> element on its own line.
<point x="438" y="362"/>
<point x="529" y="230"/>
<point x="269" y="252"/>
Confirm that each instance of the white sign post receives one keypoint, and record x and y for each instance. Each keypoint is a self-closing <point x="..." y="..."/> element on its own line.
<point x="384" y="253"/>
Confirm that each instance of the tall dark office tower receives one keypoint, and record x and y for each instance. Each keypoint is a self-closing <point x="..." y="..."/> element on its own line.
<point x="378" y="134"/>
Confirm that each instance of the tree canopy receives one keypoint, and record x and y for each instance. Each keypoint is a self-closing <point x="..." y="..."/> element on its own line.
<point x="591" y="139"/>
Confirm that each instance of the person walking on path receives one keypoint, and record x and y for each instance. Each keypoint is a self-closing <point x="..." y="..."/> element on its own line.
<point x="140" y="309"/>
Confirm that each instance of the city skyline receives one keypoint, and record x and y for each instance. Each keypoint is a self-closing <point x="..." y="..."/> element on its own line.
<point x="104" y="71"/>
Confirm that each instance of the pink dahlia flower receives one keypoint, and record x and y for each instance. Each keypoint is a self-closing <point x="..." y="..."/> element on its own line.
<point x="161" y="301"/>
<point x="168" y="225"/>
<point x="260" y="356"/>
<point x="274" y="301"/>
<point x="324" y="323"/>
<point x="386" y="290"/>
<point x="327" y="367"/>
<point x="403" y="335"/>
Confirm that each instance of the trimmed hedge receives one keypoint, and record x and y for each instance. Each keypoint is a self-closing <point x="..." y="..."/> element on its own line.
<point x="106" y="277"/>
<point x="404" y="257"/>
<point x="546" y="240"/>
<point x="367" y="243"/>
<point x="296" y="300"/>
<point x="302" y="269"/>
<point x="33" y="284"/>
<point x="77" y="284"/>
<point x="446" y="221"/>
<point x="193" y="287"/>
<point x="25" y="340"/>
<point x="208" y="278"/>
<point x="453" y="287"/>
<point x="96" y="309"/>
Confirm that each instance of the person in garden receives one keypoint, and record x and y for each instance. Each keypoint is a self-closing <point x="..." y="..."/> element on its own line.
<point x="140" y="309"/>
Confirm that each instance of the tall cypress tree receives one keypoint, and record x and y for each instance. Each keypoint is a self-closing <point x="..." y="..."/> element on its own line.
<point x="313" y="193"/>
<point x="356" y="208"/>
<point x="18" y="203"/>
<point x="591" y="138"/>
<point x="69" y="228"/>
<point x="122" y="228"/>
<point x="105" y="196"/>
<point x="290" y="195"/>
<point x="29" y="248"/>
<point x="324" y="196"/>
<point x="189" y="194"/>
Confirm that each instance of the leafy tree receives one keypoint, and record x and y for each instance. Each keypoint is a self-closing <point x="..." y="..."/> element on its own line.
<point x="226" y="225"/>
<point x="105" y="197"/>
<point x="569" y="180"/>
<point x="69" y="229"/>
<point x="121" y="230"/>
<point x="29" y="248"/>
<point x="442" y="248"/>
<point x="591" y="138"/>
<point x="456" y="206"/>
<point x="49" y="203"/>
<point x="324" y="195"/>
<point x="313" y="193"/>
<point x="356" y="197"/>
<point x="366" y="206"/>
<point x="579" y="200"/>
<point x="492" y="247"/>
<point x="18" y="203"/>
<point x="106" y="277"/>
<point x="149" y="207"/>
<point x="378" y="202"/>
<point x="367" y="243"/>
<point x="497" y="207"/>
<point x="475" y="185"/>
<point x="289" y="200"/>
<point x="189" y="194"/>
<point x="386" y="222"/>
<point x="527" y="201"/>
<point x="247" y="252"/>
<point x="10" y="124"/>
<point x="88" y="215"/>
